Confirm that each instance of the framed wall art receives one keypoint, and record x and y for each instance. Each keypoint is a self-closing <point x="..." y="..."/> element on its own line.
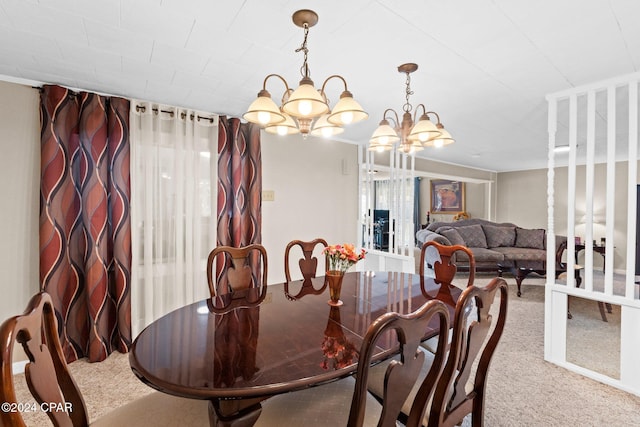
<point x="447" y="196"/>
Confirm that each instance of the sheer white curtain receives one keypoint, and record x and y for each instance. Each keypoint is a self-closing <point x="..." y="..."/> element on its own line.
<point x="173" y="185"/>
<point x="399" y="196"/>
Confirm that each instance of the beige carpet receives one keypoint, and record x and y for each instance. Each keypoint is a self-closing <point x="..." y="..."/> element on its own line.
<point x="523" y="389"/>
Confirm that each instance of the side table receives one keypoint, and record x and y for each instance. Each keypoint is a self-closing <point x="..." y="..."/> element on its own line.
<point x="600" y="249"/>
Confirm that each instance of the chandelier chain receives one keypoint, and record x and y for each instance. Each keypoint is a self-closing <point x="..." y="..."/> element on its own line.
<point x="304" y="70"/>
<point x="408" y="92"/>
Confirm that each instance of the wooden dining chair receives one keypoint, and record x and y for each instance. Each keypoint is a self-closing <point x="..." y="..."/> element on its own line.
<point x="460" y="389"/>
<point x="56" y="393"/>
<point x="308" y="267"/>
<point x="239" y="277"/>
<point x="476" y="333"/>
<point x="308" y="264"/>
<point x="437" y="260"/>
<point x="328" y="404"/>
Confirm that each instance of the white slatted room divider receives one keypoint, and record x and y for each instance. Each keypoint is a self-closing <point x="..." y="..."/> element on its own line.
<point x="590" y="112"/>
<point x="399" y="256"/>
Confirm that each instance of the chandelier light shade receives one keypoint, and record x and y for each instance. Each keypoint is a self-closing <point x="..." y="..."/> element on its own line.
<point x="322" y="127"/>
<point x="305" y="102"/>
<point x="411" y="147"/>
<point x="442" y="140"/>
<point x="300" y="107"/>
<point x="346" y="111"/>
<point x="424" y="130"/>
<point x="383" y="137"/>
<point x="410" y="136"/>
<point x="264" y="111"/>
<point x="288" y="127"/>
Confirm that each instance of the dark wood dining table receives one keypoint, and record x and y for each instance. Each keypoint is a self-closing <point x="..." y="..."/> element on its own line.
<point x="292" y="340"/>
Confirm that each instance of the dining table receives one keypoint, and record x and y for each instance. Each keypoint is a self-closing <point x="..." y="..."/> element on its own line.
<point x="292" y="339"/>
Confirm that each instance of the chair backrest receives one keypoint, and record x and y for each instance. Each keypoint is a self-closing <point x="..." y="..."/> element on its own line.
<point x="475" y="336"/>
<point x="240" y="276"/>
<point x="308" y="264"/>
<point x="46" y="372"/>
<point x="401" y="375"/>
<point x="440" y="258"/>
<point x="308" y="267"/>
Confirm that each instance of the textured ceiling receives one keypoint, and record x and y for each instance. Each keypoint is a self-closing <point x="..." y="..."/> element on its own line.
<point x="484" y="65"/>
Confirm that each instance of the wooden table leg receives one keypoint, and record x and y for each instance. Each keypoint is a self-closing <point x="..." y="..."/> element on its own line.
<point x="234" y="413"/>
<point x="602" y="313"/>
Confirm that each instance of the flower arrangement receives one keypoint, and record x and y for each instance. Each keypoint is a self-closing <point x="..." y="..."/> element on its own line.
<point x="341" y="257"/>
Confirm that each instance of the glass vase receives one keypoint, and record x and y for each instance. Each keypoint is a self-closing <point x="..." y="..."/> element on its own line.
<point x="334" y="279"/>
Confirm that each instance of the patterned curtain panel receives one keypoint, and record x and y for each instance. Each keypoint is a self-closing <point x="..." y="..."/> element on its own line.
<point x="239" y="186"/>
<point x="85" y="234"/>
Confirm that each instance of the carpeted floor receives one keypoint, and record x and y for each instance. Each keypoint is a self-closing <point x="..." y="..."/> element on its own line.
<point x="522" y="390"/>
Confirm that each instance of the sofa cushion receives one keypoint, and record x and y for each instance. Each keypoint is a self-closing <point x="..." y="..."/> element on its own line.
<point x="499" y="236"/>
<point x="481" y="255"/>
<point x="454" y="237"/>
<point x="526" y="238"/>
<point x="519" y="254"/>
<point x="473" y="236"/>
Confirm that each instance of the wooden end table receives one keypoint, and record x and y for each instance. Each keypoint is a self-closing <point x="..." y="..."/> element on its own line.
<point x="599" y="249"/>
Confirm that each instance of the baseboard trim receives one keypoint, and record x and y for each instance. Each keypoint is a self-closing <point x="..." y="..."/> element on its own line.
<point x="18" y="367"/>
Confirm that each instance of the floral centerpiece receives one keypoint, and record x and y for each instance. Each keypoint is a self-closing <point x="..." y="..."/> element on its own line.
<point x="339" y="259"/>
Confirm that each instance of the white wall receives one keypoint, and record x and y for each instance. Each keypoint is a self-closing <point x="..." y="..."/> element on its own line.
<point x="19" y="192"/>
<point x="522" y="198"/>
<point x="314" y="195"/>
<point x="476" y="203"/>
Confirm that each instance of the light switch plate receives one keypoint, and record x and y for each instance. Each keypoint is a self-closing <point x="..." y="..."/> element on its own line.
<point x="268" y="195"/>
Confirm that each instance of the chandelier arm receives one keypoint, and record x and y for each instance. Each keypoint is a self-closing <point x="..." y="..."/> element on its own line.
<point x="415" y="113"/>
<point x="287" y="91"/>
<point x="396" y="120"/>
<point x="435" y="114"/>
<point x="264" y="84"/>
<point x="331" y="77"/>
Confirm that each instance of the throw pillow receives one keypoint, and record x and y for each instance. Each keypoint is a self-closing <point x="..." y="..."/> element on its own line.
<point x="526" y="238"/>
<point x="453" y="236"/>
<point x="421" y="236"/>
<point x="473" y="236"/>
<point x="439" y="230"/>
<point x="435" y="225"/>
<point x="499" y="236"/>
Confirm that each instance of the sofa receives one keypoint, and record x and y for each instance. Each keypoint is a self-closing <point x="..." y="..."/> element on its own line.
<point x="490" y="242"/>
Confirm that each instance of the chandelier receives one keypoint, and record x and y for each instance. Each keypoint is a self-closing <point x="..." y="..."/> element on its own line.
<point x="299" y="108"/>
<point x="412" y="137"/>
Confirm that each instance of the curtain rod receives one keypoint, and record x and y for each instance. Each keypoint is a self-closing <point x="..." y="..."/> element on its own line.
<point x="139" y="108"/>
<point x="172" y="113"/>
